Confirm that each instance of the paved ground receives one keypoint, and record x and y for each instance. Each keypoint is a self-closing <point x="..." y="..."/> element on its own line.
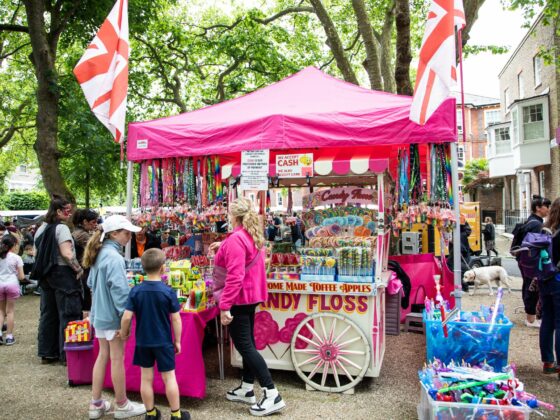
<point x="30" y="390"/>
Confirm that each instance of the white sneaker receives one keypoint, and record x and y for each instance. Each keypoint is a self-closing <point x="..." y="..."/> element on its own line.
<point x="130" y="409"/>
<point x="535" y="324"/>
<point x="271" y="402"/>
<point x="243" y="393"/>
<point x="96" y="412"/>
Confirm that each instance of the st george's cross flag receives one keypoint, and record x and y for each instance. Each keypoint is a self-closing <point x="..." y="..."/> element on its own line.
<point x="102" y="72"/>
<point x="437" y="71"/>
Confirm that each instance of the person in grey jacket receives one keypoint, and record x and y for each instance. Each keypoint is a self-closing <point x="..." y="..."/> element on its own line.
<point x="107" y="281"/>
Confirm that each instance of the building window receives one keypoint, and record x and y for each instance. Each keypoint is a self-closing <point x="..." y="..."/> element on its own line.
<point x="515" y="122"/>
<point x="22" y="169"/>
<point x="541" y="184"/>
<point x="502" y="134"/>
<point x="492" y="116"/>
<point x="533" y="122"/>
<point x="459" y="121"/>
<point x="461" y="156"/>
<point x="503" y="143"/>
<point x="279" y="201"/>
<point x="506" y="98"/>
<point x="537" y="68"/>
<point x="521" y="85"/>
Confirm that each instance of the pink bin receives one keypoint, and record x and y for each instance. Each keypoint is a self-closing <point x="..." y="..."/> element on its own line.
<point x="79" y="363"/>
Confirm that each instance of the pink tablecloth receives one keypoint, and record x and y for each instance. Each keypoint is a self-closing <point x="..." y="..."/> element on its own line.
<point x="190" y="371"/>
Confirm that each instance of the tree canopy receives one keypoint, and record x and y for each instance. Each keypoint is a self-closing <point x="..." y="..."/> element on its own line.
<point x="184" y="55"/>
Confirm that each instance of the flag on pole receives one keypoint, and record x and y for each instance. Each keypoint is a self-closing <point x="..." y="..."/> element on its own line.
<point x="437" y="71"/>
<point x="102" y="72"/>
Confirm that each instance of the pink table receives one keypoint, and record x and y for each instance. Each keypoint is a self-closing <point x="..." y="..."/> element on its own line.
<point x="190" y="370"/>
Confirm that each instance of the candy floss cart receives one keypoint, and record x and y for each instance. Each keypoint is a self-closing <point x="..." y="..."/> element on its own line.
<point x="336" y="141"/>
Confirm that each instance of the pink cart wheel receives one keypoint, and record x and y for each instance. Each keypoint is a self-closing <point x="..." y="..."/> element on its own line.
<point x="330" y="344"/>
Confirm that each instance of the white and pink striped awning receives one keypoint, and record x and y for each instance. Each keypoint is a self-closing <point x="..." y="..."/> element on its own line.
<point x="344" y="163"/>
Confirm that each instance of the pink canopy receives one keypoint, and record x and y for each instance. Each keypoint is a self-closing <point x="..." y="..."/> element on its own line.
<point x="309" y="109"/>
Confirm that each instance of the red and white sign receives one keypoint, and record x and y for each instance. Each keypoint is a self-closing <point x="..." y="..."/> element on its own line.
<point x="339" y="196"/>
<point x="294" y="166"/>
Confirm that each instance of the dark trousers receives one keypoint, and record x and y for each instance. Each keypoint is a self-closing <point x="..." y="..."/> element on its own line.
<point x="61" y="302"/>
<point x="241" y="332"/>
<point x="530" y="296"/>
<point x="86" y="301"/>
<point x="549" y="334"/>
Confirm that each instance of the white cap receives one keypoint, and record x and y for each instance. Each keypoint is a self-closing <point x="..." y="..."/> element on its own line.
<point x="117" y="222"/>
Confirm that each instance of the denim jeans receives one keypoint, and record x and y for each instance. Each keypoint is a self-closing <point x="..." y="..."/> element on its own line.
<point x="549" y="334"/>
<point x="241" y="331"/>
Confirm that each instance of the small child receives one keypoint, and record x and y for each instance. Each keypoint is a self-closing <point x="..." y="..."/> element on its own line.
<point x="152" y="302"/>
<point x="11" y="273"/>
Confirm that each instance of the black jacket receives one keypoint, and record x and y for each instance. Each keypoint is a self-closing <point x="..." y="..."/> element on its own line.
<point x="152" y="241"/>
<point x="47" y="252"/>
<point x="489" y="232"/>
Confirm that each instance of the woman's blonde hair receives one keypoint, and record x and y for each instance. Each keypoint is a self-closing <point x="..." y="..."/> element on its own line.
<point x="93" y="246"/>
<point x="242" y="209"/>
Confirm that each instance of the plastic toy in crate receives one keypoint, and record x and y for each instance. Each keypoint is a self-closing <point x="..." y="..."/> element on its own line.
<point x="318" y="268"/>
<point x="457" y="392"/>
<point x="196" y="297"/>
<point x="470" y="338"/>
<point x="181" y="265"/>
<point x="78" y="332"/>
<point x="355" y="264"/>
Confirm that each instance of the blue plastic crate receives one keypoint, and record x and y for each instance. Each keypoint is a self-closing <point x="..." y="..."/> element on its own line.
<point x="469" y="341"/>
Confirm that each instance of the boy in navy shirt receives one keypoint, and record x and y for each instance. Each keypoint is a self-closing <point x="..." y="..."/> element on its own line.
<point x="153" y="302"/>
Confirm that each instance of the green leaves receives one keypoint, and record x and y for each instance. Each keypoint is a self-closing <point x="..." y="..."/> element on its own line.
<point x="31" y="200"/>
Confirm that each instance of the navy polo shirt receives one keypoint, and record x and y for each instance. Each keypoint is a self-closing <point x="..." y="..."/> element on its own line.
<point x="152" y="302"/>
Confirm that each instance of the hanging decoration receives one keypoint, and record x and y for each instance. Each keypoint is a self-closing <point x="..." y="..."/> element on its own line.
<point x="415" y="177"/>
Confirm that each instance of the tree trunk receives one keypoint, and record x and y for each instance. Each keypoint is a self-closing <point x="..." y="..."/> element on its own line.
<point x="88" y="186"/>
<point x="43" y="58"/>
<point x="371" y="63"/>
<point x="334" y="42"/>
<point x="386" y="50"/>
<point x="404" y="57"/>
<point x="471" y="8"/>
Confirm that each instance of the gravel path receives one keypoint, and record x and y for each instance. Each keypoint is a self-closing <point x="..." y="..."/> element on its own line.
<point x="30" y="390"/>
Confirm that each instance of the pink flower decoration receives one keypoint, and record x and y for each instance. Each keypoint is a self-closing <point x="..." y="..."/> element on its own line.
<point x="266" y="330"/>
<point x="290" y="325"/>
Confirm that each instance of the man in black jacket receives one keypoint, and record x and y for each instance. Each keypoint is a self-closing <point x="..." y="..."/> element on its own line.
<point x="489" y="233"/>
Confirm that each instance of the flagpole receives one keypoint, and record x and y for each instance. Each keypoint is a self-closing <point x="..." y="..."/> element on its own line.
<point x="129" y="190"/>
<point x="457" y="280"/>
<point x="460" y="42"/>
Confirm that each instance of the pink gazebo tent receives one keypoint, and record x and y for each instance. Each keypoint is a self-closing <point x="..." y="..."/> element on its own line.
<point x="306" y="110"/>
<point x="348" y="128"/>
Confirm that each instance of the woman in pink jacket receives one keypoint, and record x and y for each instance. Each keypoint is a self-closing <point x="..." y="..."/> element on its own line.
<point x="242" y="255"/>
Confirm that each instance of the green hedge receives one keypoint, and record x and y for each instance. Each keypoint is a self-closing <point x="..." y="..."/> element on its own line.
<point x="24" y="201"/>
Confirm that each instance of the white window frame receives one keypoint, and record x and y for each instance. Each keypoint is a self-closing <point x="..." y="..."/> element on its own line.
<point x="521" y="85"/>
<point x="488" y="112"/>
<point x="461" y="153"/>
<point x="518" y="124"/>
<point x="541" y="184"/>
<point x="506" y="98"/>
<point x="460" y="127"/>
<point x="537" y="70"/>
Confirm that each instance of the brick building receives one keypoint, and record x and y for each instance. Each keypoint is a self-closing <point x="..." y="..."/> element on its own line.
<point x="480" y="112"/>
<point x="522" y="149"/>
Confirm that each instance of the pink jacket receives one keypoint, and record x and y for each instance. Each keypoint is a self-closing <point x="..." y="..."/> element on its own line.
<point x="242" y="288"/>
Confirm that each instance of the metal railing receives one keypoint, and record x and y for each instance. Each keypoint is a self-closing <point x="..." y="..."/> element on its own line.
<point x="512" y="217"/>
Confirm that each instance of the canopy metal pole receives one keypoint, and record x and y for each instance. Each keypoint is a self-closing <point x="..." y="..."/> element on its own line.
<point x="129" y="191"/>
<point x="457" y="280"/>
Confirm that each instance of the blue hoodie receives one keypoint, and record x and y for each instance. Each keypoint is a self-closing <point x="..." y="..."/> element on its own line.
<point x="107" y="280"/>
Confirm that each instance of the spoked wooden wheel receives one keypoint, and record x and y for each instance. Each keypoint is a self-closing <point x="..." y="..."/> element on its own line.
<point x="326" y="343"/>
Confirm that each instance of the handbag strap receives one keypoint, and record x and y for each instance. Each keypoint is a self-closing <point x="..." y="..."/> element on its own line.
<point x="417" y="290"/>
<point x="253" y="261"/>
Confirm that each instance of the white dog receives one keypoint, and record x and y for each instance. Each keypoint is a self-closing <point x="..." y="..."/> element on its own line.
<point x="485" y="275"/>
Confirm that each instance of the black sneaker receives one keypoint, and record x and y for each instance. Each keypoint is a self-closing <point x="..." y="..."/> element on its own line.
<point x="10" y="341"/>
<point x="4" y="327"/>
<point x="185" y="415"/>
<point x="1" y="340"/>
<point x="48" y="360"/>
<point x="156" y="416"/>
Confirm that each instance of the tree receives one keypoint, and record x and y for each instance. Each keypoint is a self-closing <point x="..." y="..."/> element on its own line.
<point x="46" y="23"/>
<point x="474" y="169"/>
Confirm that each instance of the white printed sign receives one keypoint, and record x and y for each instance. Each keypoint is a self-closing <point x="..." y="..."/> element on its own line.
<point x="254" y="170"/>
<point x="294" y="166"/>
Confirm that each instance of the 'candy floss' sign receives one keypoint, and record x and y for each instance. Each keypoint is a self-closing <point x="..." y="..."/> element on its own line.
<point x="277" y="319"/>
